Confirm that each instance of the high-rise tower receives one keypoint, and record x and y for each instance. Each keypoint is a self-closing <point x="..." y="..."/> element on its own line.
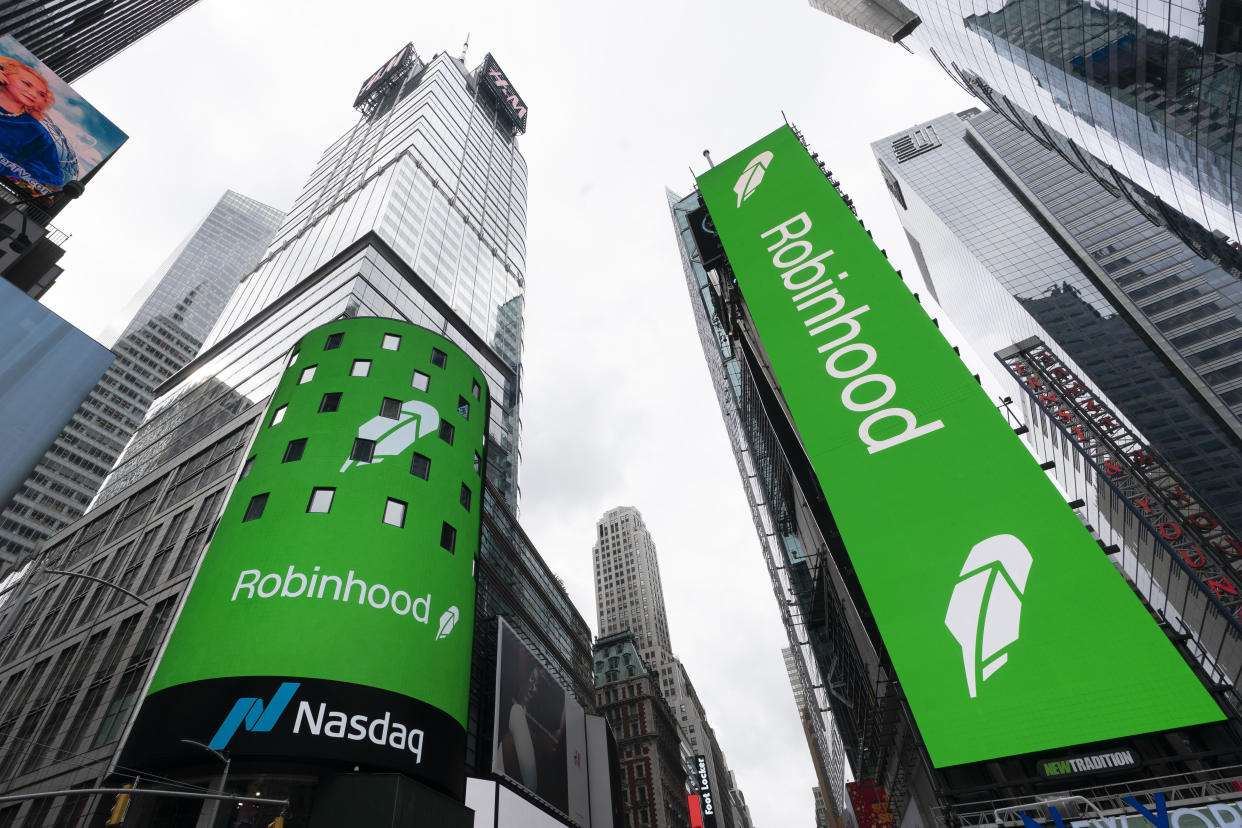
<point x="399" y="268"/>
<point x="629" y="598"/>
<point x="73" y="38"/>
<point x="190" y="290"/>
<point x="1146" y="103"/>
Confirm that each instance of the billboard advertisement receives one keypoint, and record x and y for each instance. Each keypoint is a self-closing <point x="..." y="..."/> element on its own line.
<point x="48" y="133"/>
<point x="331" y="620"/>
<point x="540" y="730"/>
<point x="1005" y="622"/>
<point x="703" y="786"/>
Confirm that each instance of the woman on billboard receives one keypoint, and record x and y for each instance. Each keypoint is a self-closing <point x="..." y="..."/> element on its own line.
<point x="28" y="154"/>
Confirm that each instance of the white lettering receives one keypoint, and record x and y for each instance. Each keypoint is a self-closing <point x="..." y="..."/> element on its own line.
<point x="911" y="430"/>
<point x="243" y="584"/>
<point x="313" y="725"/>
<point x="786" y="233"/>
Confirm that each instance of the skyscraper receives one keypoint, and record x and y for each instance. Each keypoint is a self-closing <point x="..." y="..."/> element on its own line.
<point x="827" y="752"/>
<point x="1146" y="103"/>
<point x="190" y="289"/>
<point x="629" y="597"/>
<point x="410" y="218"/>
<point x="73" y="38"/>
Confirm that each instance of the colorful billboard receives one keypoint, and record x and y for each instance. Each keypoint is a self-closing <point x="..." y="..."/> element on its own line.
<point x="48" y="134"/>
<point x="331" y="620"/>
<point x="1007" y="625"/>
<point x="540" y="730"/>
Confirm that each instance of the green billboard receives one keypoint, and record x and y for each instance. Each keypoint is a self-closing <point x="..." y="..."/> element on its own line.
<point x="1010" y="630"/>
<point x="332" y="617"/>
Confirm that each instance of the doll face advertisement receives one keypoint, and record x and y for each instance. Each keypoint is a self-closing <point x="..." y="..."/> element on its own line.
<point x="48" y="134"/>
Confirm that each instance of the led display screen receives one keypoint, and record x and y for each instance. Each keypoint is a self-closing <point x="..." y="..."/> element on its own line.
<point x="1009" y="628"/>
<point x="48" y="134"/>
<point x="332" y="617"/>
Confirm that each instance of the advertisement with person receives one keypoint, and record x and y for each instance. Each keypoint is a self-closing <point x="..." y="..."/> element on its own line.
<point x="48" y="134"/>
<point x="540" y="730"/>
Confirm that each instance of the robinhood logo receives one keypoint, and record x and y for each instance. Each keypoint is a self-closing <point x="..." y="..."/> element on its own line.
<point x="753" y="177"/>
<point x="254" y="715"/>
<point x="986" y="607"/>
<point x="417" y="419"/>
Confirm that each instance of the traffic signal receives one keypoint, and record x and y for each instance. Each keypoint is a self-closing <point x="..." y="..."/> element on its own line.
<point x="117" y="815"/>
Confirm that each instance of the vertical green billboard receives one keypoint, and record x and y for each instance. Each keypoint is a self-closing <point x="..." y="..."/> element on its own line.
<point x="1010" y="630"/>
<point x="331" y="620"/>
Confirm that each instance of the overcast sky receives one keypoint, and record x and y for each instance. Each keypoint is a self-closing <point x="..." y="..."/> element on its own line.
<point x="617" y="406"/>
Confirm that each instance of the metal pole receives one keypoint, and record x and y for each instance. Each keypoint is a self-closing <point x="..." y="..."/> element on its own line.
<point x="258" y="800"/>
<point x="207" y="817"/>
<point x="140" y="600"/>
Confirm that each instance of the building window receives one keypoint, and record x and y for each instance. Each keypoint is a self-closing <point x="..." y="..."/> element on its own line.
<point x="254" y="509"/>
<point x="478" y="462"/>
<point x="293" y="357"/>
<point x="448" y="537"/>
<point x="439" y="358"/>
<point x="420" y="380"/>
<point x="294" y="450"/>
<point x="249" y="464"/>
<point x="320" y="501"/>
<point x="420" y="466"/>
<point x="333" y="341"/>
<point x="308" y="374"/>
<point x="363" y="450"/>
<point x="330" y="402"/>
<point x="390" y="408"/>
<point x="279" y="415"/>
<point x="391" y="342"/>
<point x="463" y="408"/>
<point x="360" y="368"/>
<point x="447" y="431"/>
<point x="394" y="512"/>
<point x="465" y="497"/>
<point x="475" y="389"/>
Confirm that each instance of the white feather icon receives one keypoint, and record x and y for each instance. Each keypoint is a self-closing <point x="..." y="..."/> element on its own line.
<point x="447" y="621"/>
<point x="753" y="177"/>
<point x="392" y="437"/>
<point x="986" y="608"/>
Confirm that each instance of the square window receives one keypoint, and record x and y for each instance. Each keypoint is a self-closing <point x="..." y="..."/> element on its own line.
<point x="363" y="450"/>
<point x="279" y="415"/>
<point x="465" y="497"/>
<point x="333" y="342"/>
<point x="420" y="466"/>
<point x="330" y="402"/>
<point x="390" y="408"/>
<point x="360" y="368"/>
<point x="476" y="389"/>
<point x="478" y="463"/>
<point x="447" y="431"/>
<point x="294" y="450"/>
<point x="245" y="472"/>
<point x="463" y="408"/>
<point x="308" y="374"/>
<point x="394" y="512"/>
<point x="448" y="537"/>
<point x="391" y="342"/>
<point x="254" y="509"/>
<point x="439" y="358"/>
<point x="420" y="380"/>
<point x="320" y="500"/>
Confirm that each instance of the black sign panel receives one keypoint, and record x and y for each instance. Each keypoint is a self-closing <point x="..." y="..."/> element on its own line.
<point x="706" y="800"/>
<point x="494" y="81"/>
<point x="329" y="723"/>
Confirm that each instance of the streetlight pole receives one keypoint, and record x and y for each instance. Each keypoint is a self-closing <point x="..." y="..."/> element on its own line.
<point x="207" y="816"/>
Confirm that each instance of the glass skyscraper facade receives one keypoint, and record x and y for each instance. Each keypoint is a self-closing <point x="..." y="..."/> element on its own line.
<point x="1143" y="98"/>
<point x="417" y="213"/>
<point x="73" y="37"/>
<point x="191" y="288"/>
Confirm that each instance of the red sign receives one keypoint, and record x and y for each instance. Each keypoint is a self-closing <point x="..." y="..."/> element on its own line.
<point x="696" y="811"/>
<point x="870" y="803"/>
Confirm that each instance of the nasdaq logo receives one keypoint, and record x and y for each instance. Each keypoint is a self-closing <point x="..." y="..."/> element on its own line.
<point x="254" y="715"/>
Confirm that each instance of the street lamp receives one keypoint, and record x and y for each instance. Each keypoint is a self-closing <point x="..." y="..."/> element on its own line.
<point x="207" y="817"/>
